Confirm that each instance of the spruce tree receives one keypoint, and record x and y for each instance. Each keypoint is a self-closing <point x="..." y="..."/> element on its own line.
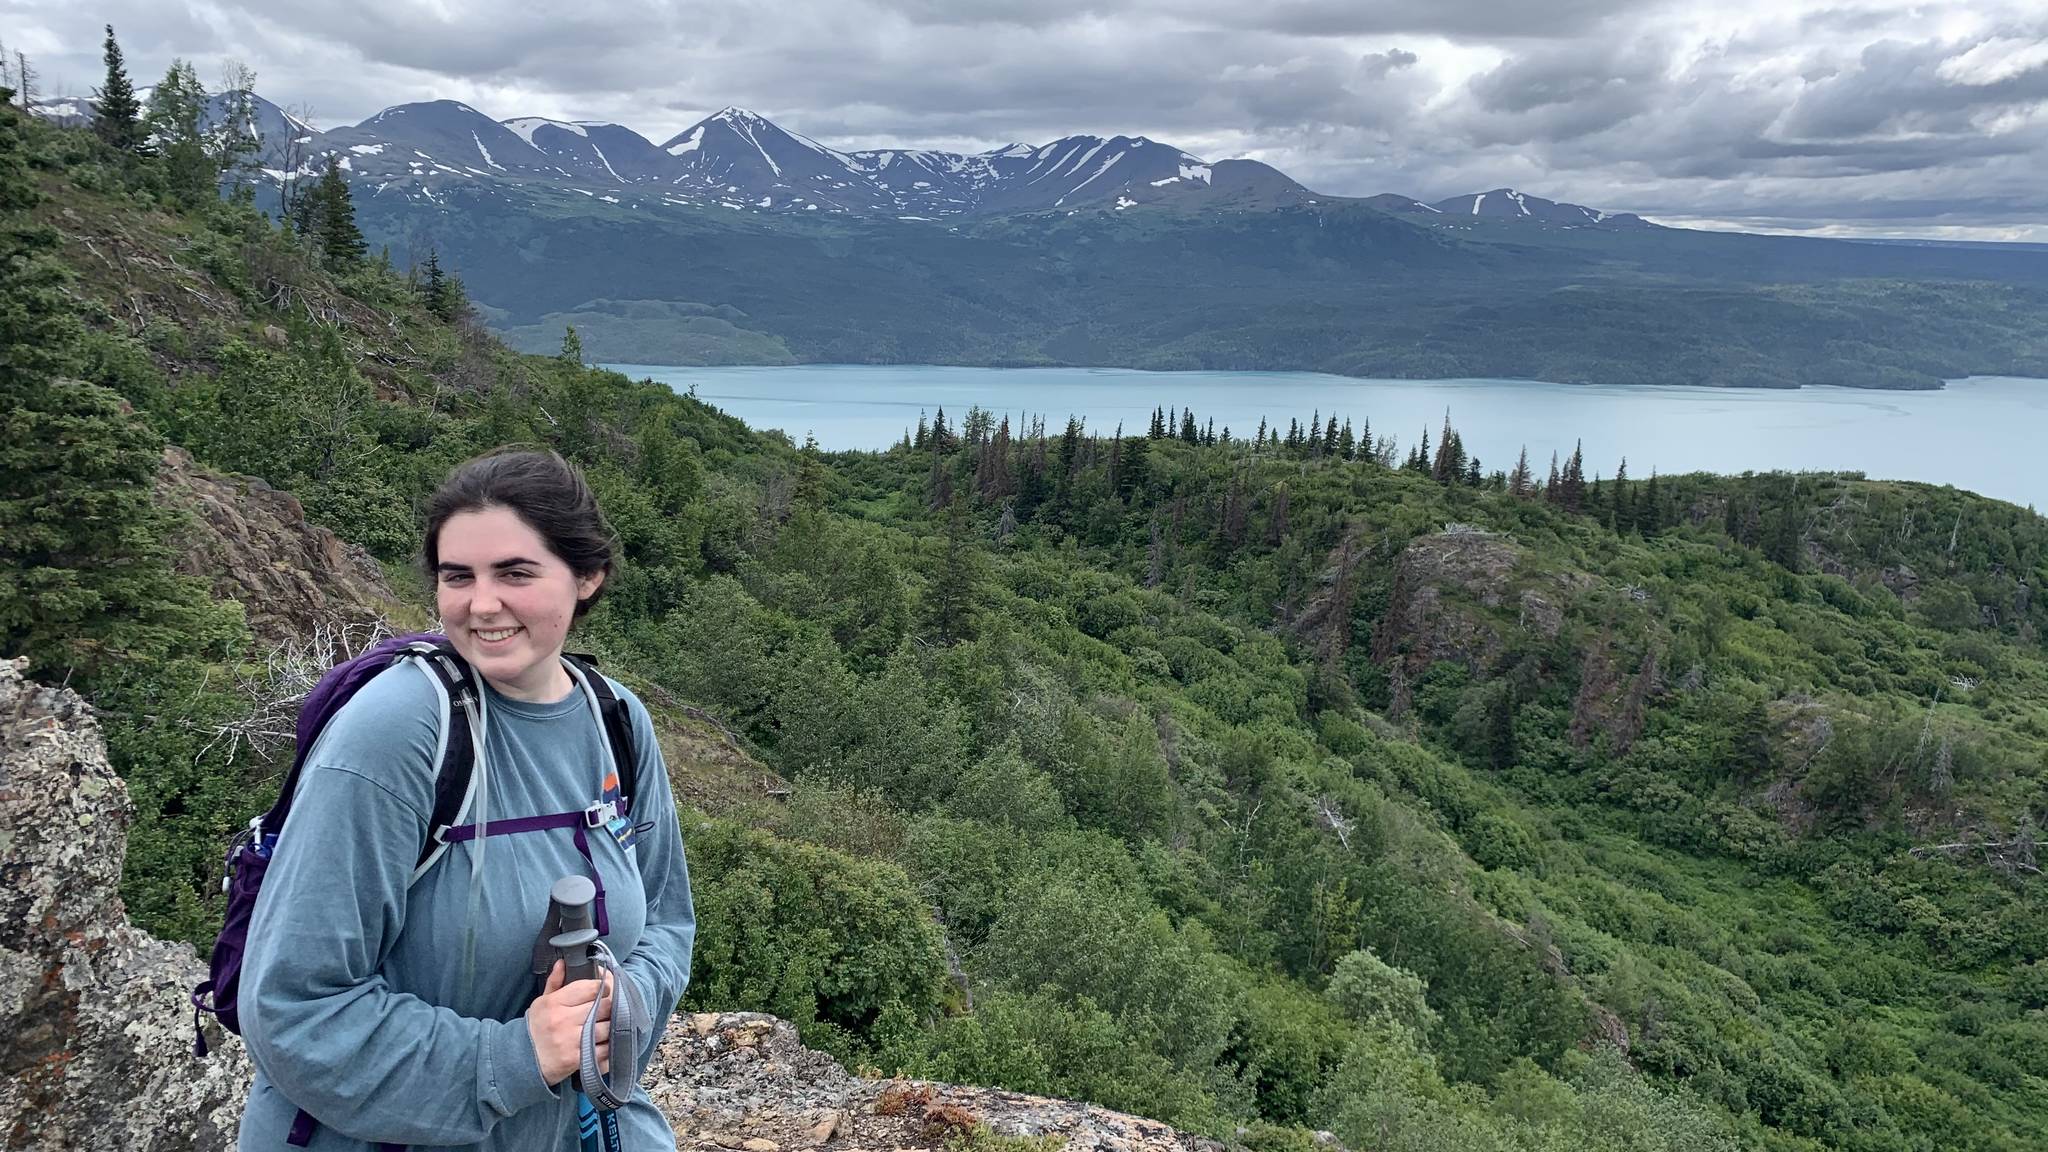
<point x="432" y="282"/>
<point x="85" y="576"/>
<point x="1572" y="493"/>
<point x="1624" y="502"/>
<point x="1189" y="433"/>
<point x="1519" y="480"/>
<point x="1158" y="429"/>
<point x="341" y="242"/>
<point x="454" y="302"/>
<point x="177" y="111"/>
<point x="117" y="118"/>
<point x="441" y="290"/>
<point x="949" y="605"/>
<point x="1134" y="469"/>
<point x="1447" y="467"/>
<point x="1068" y="455"/>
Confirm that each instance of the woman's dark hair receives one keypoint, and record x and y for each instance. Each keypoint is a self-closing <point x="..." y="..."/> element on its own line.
<point x="543" y="490"/>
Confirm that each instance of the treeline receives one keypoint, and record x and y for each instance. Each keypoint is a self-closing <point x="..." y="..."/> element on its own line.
<point x="1025" y="469"/>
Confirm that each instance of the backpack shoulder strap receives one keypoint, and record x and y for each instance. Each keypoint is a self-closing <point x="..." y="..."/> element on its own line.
<point x="454" y="781"/>
<point x="618" y="722"/>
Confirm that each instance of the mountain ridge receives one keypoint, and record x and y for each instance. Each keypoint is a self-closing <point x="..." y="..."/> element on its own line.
<point x="741" y="159"/>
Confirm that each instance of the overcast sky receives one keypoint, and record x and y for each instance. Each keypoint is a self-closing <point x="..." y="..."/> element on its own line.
<point x="1866" y="117"/>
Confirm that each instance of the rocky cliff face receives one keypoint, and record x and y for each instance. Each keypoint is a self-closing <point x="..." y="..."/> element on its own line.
<point x="1456" y="596"/>
<point x="100" y="1034"/>
<point x="100" y="1044"/>
<point x="253" y="544"/>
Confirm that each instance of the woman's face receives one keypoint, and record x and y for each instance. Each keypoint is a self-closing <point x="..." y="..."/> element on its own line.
<point x="507" y="601"/>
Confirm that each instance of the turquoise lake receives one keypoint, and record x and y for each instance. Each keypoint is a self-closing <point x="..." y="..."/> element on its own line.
<point x="1984" y="433"/>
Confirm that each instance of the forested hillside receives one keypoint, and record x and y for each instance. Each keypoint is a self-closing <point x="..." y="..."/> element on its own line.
<point x="1262" y="786"/>
<point x="1337" y="287"/>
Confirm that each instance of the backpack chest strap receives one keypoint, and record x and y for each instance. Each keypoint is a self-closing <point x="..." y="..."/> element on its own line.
<point x="595" y="816"/>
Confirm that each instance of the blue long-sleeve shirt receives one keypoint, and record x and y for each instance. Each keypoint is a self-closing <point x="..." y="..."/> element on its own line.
<point x="394" y="1012"/>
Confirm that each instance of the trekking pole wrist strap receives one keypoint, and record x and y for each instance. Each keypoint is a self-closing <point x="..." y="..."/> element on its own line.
<point x="628" y="1025"/>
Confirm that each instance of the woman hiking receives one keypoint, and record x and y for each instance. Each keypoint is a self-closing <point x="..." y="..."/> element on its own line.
<point x="388" y="998"/>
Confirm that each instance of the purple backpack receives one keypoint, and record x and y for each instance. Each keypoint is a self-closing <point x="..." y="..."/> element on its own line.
<point x="455" y="686"/>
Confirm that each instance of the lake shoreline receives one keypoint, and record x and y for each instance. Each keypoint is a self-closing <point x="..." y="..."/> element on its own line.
<point x="1977" y="434"/>
<point x="1935" y="386"/>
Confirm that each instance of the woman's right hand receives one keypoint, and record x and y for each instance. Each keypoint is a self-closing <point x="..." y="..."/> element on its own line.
<point x="555" y="1021"/>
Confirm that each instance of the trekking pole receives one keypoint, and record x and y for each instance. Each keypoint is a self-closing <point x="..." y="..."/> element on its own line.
<point x="574" y="943"/>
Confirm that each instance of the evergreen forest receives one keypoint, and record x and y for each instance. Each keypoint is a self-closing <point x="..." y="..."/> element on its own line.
<point x="1265" y="783"/>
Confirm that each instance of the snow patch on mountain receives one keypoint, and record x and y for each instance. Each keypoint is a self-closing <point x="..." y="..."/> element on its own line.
<point x="1106" y="166"/>
<point x="525" y="126"/>
<point x="486" y="152"/>
<point x="1078" y="164"/>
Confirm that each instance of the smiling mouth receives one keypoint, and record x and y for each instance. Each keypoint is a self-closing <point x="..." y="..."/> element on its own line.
<point x="494" y="635"/>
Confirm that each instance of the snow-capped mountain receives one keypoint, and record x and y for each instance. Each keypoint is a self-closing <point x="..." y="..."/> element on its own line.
<point x="439" y="136"/>
<point x="745" y="158"/>
<point x="69" y="111"/>
<point x="741" y="161"/>
<point x="739" y="157"/>
<point x="599" y="151"/>
<point x="272" y="125"/>
<point x="1509" y="205"/>
<point x="1122" y="172"/>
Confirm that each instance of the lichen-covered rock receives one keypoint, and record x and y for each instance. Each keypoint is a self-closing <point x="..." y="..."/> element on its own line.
<point x="99" y="1052"/>
<point x="742" y="1081"/>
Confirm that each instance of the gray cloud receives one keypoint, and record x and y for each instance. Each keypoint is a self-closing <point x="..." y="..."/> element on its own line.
<point x="1883" y="115"/>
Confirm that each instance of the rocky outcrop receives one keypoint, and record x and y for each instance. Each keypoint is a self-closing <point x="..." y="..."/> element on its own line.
<point x="1458" y="594"/>
<point x="99" y="1052"/>
<point x="744" y="1082"/>
<point x="252" y="543"/>
<point x="100" y="1059"/>
<point x="1424" y="623"/>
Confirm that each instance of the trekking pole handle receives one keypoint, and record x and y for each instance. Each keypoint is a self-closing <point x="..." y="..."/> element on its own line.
<point x="573" y="897"/>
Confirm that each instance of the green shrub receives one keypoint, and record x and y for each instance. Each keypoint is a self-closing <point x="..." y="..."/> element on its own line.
<point x="810" y="934"/>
